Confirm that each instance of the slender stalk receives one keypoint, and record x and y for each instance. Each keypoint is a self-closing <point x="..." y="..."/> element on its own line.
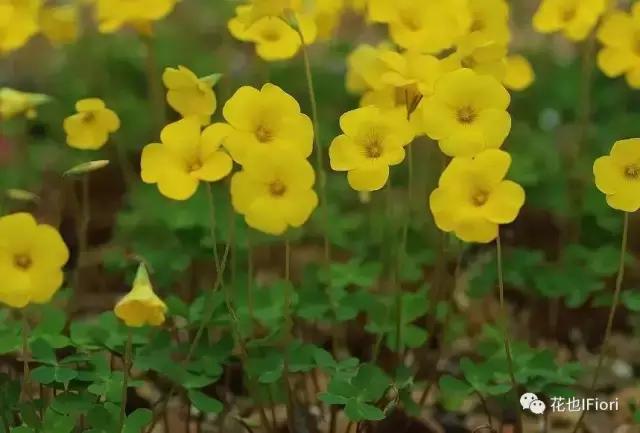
<point x="612" y="315"/>
<point x="322" y="181"/>
<point x="26" y="371"/>
<point x="288" y="323"/>
<point x="84" y="219"/>
<point x="126" y="367"/>
<point x="505" y="329"/>
<point x="485" y="407"/>
<point x="228" y="298"/>
<point x="154" y="83"/>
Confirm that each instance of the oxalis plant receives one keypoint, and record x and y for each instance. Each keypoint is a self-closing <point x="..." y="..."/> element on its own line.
<point x="294" y="269"/>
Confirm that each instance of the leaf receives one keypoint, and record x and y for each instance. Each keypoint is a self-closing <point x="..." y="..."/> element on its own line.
<point x="451" y="385"/>
<point x="205" y="403"/>
<point x="631" y="300"/>
<point x="357" y="410"/>
<point x="43" y="352"/>
<point x="137" y="421"/>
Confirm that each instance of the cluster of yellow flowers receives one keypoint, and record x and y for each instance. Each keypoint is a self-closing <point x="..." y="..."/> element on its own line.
<point x="32" y="256"/>
<point x="618" y="31"/>
<point x="20" y="20"/>
<point x="264" y="132"/>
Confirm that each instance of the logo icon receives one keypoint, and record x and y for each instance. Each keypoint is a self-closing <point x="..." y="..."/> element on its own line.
<point x="529" y="401"/>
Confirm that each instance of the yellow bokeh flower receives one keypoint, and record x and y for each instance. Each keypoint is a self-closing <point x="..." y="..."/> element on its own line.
<point x="574" y="18"/>
<point x="141" y="306"/>
<point x="89" y="129"/>
<point x="473" y="199"/>
<point x="60" y="24"/>
<point x="518" y="74"/>
<point x="16" y="103"/>
<point x="190" y="95"/>
<point x="364" y="68"/>
<point x="274" y="38"/>
<point x="114" y="14"/>
<point x="31" y="259"/>
<point x="467" y="113"/>
<point x="18" y="22"/>
<point x="484" y="58"/>
<point x="185" y="157"/>
<point x="620" y="37"/>
<point x="373" y="140"/>
<point x="274" y="191"/>
<point x="427" y="27"/>
<point x="266" y="118"/>
<point x="273" y="8"/>
<point x="618" y="175"/>
<point x="489" y="22"/>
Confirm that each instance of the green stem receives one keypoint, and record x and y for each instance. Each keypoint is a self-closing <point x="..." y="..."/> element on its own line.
<point x="126" y="367"/>
<point x="612" y="315"/>
<point x="154" y="85"/>
<point x="505" y="330"/>
<point x="322" y="181"/>
<point x="288" y="320"/>
<point x="26" y="371"/>
<point x="83" y="227"/>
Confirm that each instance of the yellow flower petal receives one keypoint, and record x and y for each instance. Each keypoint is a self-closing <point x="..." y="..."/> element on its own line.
<point x="368" y="180"/>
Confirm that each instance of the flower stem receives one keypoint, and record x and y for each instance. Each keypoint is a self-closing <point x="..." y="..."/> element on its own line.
<point x="26" y="372"/>
<point x="322" y="180"/>
<point x="154" y="84"/>
<point x="288" y="335"/>
<point x="125" y="379"/>
<point x="612" y="315"/>
<point x="505" y="329"/>
<point x="84" y="219"/>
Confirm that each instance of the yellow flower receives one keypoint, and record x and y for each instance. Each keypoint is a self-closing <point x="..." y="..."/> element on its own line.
<point x="274" y="38"/>
<point x="364" y="68"/>
<point x="274" y="191"/>
<point x="518" y="73"/>
<point x="467" y="113"/>
<point x="18" y="22"/>
<point x="114" y="14"/>
<point x="620" y="37"/>
<point x="89" y="129"/>
<point x="618" y="175"/>
<point x="15" y="103"/>
<point x="427" y="27"/>
<point x="484" y="58"/>
<point x="373" y="140"/>
<point x="327" y="14"/>
<point x="473" y="199"/>
<point x="60" y="23"/>
<point x="413" y="75"/>
<point x="268" y="118"/>
<point x="574" y="18"/>
<point x="489" y="22"/>
<point x="141" y="306"/>
<point x="273" y="8"/>
<point x="190" y="95"/>
<point x="31" y="259"/>
<point x="185" y="157"/>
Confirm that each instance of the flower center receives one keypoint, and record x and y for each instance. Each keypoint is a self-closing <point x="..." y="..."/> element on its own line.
<point x="264" y="134"/>
<point x="466" y="115"/>
<point x="569" y="14"/>
<point x="477" y="25"/>
<point x="277" y="188"/>
<point x="22" y="261"/>
<point x="88" y="117"/>
<point x="632" y="172"/>
<point x="195" y="165"/>
<point x="468" y="62"/>
<point x="270" y="35"/>
<point x="373" y="149"/>
<point x="480" y="198"/>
